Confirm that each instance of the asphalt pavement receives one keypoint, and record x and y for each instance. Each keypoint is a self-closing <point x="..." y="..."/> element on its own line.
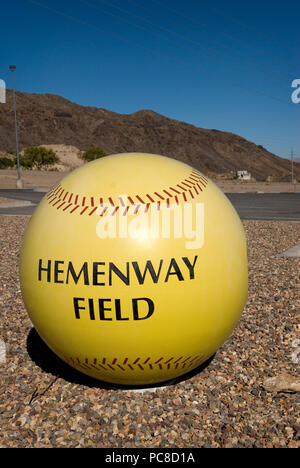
<point x="257" y="206"/>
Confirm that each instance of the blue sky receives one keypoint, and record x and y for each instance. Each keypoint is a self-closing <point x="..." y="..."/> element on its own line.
<point x="223" y="65"/>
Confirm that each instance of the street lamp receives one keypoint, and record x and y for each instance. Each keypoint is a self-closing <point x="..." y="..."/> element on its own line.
<point x="19" y="181"/>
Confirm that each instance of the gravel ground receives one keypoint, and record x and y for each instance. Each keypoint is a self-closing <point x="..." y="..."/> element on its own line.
<point x="44" y="403"/>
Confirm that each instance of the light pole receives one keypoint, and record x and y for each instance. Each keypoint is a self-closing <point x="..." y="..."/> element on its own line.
<point x="292" y="164"/>
<point x="19" y="181"/>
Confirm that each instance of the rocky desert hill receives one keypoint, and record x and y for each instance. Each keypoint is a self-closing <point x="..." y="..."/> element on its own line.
<point x="52" y="120"/>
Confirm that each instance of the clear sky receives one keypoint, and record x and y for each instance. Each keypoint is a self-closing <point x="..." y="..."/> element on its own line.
<point x="227" y="65"/>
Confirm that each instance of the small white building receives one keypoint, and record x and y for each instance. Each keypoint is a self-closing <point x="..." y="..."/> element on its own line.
<point x="243" y="175"/>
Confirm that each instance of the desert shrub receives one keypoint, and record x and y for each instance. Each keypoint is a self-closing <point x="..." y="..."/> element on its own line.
<point x="25" y="162"/>
<point x="5" y="163"/>
<point x="38" y="156"/>
<point x="93" y="153"/>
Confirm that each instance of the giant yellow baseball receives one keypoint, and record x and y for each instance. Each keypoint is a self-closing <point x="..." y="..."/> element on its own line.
<point x="134" y="269"/>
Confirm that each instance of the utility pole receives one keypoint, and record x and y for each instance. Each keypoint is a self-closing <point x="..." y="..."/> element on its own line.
<point x="19" y="180"/>
<point x="292" y="164"/>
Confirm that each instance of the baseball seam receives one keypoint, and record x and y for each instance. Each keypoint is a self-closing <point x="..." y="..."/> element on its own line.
<point x="138" y="364"/>
<point x="70" y="202"/>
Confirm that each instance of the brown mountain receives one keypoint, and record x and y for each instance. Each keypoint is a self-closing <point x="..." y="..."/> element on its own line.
<point x="49" y="119"/>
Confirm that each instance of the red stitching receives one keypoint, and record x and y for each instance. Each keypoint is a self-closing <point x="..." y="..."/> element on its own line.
<point x="104" y="211"/>
<point x="194" y="181"/>
<point x="169" y="195"/>
<point x="178" y="360"/>
<point x="169" y="360"/>
<point x="193" y="178"/>
<point x="68" y="206"/>
<point x="188" y="185"/>
<point x="84" y="210"/>
<point x="84" y="366"/>
<point x="203" y="178"/>
<point x="186" y="359"/>
<point x="174" y="190"/>
<point x="115" y="210"/>
<point x="161" y="363"/>
<point x="93" y="211"/>
<point x="50" y="195"/>
<point x="140" y="199"/>
<point x="63" y="203"/>
<point x="51" y="199"/>
<point x="60" y="192"/>
<point x="150" y="198"/>
<point x="160" y="196"/>
<point x="195" y="358"/>
<point x="74" y="209"/>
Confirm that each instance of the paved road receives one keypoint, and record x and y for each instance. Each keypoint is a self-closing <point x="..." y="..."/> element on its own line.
<point x="267" y="206"/>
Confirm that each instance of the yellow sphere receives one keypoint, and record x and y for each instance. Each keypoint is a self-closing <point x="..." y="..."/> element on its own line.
<point x="134" y="269"/>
